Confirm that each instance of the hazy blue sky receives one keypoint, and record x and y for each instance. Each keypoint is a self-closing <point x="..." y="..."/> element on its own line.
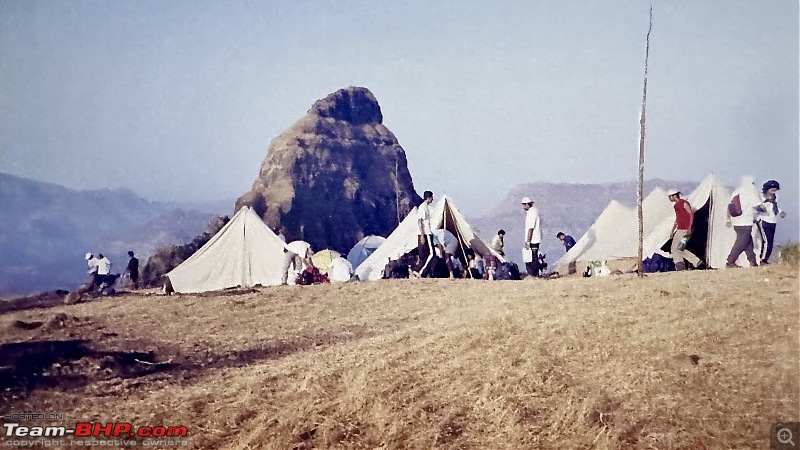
<point x="178" y="100"/>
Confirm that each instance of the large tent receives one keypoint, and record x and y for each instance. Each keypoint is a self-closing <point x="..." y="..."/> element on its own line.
<point x="364" y="248"/>
<point x="602" y="238"/>
<point x="711" y="239"/>
<point x="403" y="239"/>
<point x="245" y="252"/>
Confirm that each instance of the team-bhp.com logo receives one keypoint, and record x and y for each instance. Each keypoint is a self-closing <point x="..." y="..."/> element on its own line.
<point x="91" y="430"/>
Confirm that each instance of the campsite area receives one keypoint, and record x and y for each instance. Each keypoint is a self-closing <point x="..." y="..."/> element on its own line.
<point x="700" y="359"/>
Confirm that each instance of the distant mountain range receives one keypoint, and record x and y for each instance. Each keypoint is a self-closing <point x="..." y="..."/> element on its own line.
<point x="45" y="230"/>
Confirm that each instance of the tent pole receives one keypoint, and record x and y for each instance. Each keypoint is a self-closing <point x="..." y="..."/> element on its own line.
<point x="642" y="122"/>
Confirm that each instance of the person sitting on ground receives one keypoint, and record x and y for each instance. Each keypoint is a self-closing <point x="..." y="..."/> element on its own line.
<point x="456" y="268"/>
<point x="499" y="241"/>
<point x="475" y="264"/>
<point x="566" y="239"/>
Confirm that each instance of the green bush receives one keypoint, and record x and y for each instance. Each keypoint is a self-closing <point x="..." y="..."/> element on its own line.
<point x="790" y="253"/>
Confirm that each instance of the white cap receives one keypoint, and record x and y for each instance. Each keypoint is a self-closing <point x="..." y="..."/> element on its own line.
<point x="526" y="200"/>
<point x="88" y="256"/>
<point x="673" y="191"/>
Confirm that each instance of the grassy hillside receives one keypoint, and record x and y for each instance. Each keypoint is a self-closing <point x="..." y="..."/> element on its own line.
<point x="678" y="360"/>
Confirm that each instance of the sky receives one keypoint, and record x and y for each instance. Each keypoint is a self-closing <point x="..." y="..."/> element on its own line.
<point x="178" y="100"/>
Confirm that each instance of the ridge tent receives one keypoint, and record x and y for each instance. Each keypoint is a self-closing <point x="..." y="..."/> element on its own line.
<point x="711" y="239"/>
<point x="623" y="245"/>
<point x="403" y="239"/>
<point x="245" y="252"/>
<point x="600" y="240"/>
<point x="363" y="249"/>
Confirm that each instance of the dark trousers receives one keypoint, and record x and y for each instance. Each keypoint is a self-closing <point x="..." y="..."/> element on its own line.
<point x="768" y="234"/>
<point x="533" y="267"/>
<point x="744" y="243"/>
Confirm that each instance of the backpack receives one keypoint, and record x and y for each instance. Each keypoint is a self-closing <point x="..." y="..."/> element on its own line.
<point x="735" y="206"/>
<point x="507" y="271"/>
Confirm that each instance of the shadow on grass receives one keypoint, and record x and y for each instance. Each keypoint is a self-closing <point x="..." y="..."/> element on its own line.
<point x="76" y="363"/>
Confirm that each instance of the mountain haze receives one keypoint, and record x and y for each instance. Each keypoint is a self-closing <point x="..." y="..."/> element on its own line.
<point x="45" y="230"/>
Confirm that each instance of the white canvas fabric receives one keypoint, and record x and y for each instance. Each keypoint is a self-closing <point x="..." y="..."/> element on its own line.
<point x="403" y="239"/>
<point x="245" y="252"/>
<point x="603" y="237"/>
<point x="720" y="239"/>
<point x="363" y="249"/>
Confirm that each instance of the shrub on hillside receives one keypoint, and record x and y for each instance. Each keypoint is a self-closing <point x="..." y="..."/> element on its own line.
<point x="167" y="258"/>
<point x="790" y="253"/>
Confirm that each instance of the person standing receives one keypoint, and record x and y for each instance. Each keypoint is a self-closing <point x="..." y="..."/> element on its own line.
<point x="425" y="238"/>
<point x="682" y="232"/>
<point x="533" y="236"/>
<point x="103" y="271"/>
<point x="281" y="236"/>
<point x="768" y="220"/>
<point x="566" y="239"/>
<point x="94" y="280"/>
<point x="133" y="269"/>
<point x="499" y="241"/>
<point x="742" y="209"/>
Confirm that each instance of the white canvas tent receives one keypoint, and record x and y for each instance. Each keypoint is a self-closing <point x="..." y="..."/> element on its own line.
<point x="403" y="239"/>
<point x="602" y="239"/>
<point x="363" y="249"/>
<point x="711" y="238"/>
<point x="245" y="252"/>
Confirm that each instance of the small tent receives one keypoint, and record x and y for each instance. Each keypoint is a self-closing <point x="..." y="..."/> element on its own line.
<point x="403" y="239"/>
<point x="245" y="252"/>
<point x="363" y="249"/>
<point x="711" y="239"/>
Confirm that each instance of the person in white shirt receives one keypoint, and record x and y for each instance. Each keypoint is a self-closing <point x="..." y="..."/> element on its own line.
<point x="425" y="239"/>
<point x="93" y="280"/>
<point x="533" y="236"/>
<point x="499" y="241"/>
<point x="340" y="270"/>
<point x="281" y="236"/>
<point x="446" y="245"/>
<point x="104" y="278"/>
<point x="296" y="256"/>
<point x="768" y="220"/>
<point x="476" y="265"/>
<point x="745" y="204"/>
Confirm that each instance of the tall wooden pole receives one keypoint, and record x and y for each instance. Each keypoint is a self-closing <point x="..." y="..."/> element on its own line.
<point x="642" y="122"/>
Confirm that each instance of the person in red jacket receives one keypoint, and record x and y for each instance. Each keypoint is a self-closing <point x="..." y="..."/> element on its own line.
<point x="682" y="231"/>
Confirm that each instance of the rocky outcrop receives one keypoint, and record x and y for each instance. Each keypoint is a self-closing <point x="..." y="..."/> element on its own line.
<point x="335" y="176"/>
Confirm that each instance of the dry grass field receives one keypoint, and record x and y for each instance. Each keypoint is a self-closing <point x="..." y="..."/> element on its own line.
<point x="692" y="360"/>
